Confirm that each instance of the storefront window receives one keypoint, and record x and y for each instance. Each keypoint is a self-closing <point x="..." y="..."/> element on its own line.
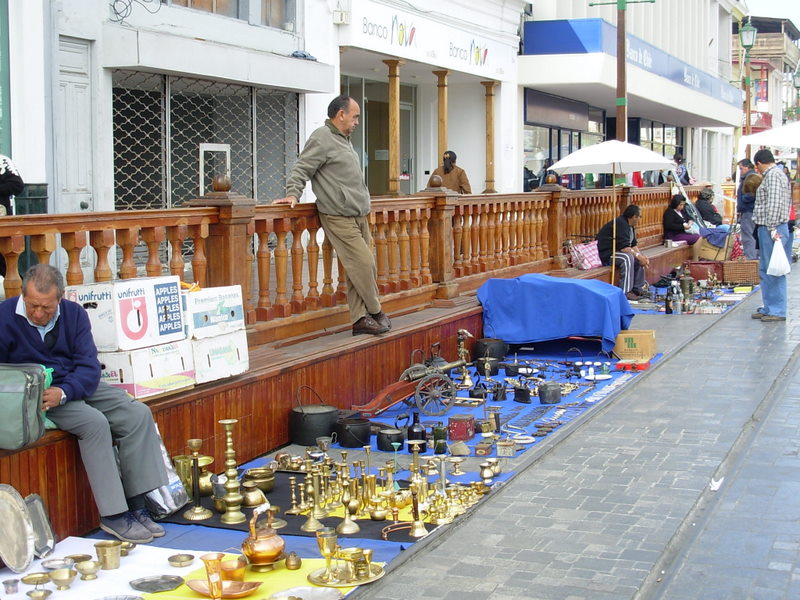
<point x="229" y="8"/>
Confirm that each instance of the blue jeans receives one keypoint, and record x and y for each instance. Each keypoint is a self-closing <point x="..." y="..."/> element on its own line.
<point x="773" y="289"/>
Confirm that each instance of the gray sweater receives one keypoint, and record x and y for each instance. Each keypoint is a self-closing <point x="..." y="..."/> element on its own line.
<point x="332" y="165"/>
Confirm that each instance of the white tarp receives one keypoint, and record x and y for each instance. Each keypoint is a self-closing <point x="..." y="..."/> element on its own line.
<point x="787" y="136"/>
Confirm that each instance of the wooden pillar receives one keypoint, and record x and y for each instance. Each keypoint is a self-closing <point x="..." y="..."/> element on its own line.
<point x="489" y="85"/>
<point x="441" y="84"/>
<point x="394" y="125"/>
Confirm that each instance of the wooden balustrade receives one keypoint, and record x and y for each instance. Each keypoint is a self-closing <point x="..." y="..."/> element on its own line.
<point x="430" y="246"/>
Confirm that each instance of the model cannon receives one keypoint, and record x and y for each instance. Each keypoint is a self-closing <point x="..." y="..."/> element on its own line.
<point x="431" y="386"/>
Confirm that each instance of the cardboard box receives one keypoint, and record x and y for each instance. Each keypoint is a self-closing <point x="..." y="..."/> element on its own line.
<point x="221" y="356"/>
<point x="213" y="311"/>
<point x="152" y="371"/>
<point x="132" y="313"/>
<point x="636" y="344"/>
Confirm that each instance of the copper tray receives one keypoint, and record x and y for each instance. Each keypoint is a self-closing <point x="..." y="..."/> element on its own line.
<point x="315" y="577"/>
<point x="230" y="589"/>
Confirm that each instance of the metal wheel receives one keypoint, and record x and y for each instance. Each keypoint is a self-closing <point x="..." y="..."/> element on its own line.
<point x="434" y="394"/>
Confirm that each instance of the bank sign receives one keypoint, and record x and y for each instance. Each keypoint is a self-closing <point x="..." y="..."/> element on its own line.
<point x="397" y="33"/>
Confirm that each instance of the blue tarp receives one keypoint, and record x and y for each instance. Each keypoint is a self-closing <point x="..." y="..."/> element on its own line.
<point x="534" y="308"/>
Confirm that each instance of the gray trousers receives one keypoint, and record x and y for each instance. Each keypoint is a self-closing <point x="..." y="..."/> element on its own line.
<point x="111" y="415"/>
<point x="352" y="242"/>
<point x="748" y="235"/>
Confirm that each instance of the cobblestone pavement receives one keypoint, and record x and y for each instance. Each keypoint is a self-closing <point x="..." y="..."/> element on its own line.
<point x="621" y="505"/>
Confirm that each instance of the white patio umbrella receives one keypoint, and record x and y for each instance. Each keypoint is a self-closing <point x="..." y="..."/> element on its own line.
<point x="613" y="157"/>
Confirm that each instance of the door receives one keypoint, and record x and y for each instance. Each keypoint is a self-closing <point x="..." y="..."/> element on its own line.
<point x="73" y="128"/>
<point x="407" y="182"/>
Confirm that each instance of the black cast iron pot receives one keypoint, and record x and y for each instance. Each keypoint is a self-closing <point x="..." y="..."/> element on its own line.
<point x="387" y="436"/>
<point x="549" y="392"/>
<point x="310" y="421"/>
<point x="491" y="347"/>
<point x="353" y="433"/>
<point x="487" y="366"/>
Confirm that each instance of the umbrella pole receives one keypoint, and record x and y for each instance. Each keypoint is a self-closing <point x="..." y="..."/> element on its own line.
<point x="613" y="223"/>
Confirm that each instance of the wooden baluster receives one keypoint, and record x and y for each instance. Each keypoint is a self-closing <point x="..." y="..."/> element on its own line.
<point x="327" y="299"/>
<point x="458" y="243"/>
<point x="127" y="240"/>
<point x="199" y="261"/>
<point x="43" y="245"/>
<point x="380" y="252"/>
<point x="484" y="256"/>
<point x="11" y="248"/>
<point x="403" y="249"/>
<point x="176" y="235"/>
<point x="542" y="243"/>
<point x="467" y="233"/>
<point x="528" y="252"/>
<point x="519" y="230"/>
<point x="281" y="306"/>
<point x="312" y="251"/>
<point x="341" y="286"/>
<point x="475" y="239"/>
<point x="153" y="236"/>
<point x="73" y="243"/>
<point x="393" y="253"/>
<point x="102" y="241"/>
<point x="247" y="284"/>
<point x="424" y="247"/>
<point x="298" y="300"/>
<point x="413" y="235"/>
<point x="264" y="310"/>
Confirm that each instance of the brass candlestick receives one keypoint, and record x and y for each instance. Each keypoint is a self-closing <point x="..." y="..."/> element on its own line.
<point x="233" y="495"/>
<point x="347" y="526"/>
<point x="294" y="509"/>
<point x="197" y="512"/>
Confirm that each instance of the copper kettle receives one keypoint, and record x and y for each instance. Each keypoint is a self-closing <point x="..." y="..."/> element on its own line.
<point x="263" y="546"/>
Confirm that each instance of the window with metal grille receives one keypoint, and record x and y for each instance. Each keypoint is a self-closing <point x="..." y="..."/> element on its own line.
<point x="161" y="120"/>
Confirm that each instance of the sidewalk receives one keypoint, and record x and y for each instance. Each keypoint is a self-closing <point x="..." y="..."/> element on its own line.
<point x="620" y="506"/>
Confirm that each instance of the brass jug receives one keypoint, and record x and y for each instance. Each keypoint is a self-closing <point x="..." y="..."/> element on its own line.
<point x="263" y="546"/>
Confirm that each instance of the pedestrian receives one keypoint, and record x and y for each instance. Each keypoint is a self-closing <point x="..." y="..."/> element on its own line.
<point x="749" y="180"/>
<point x="680" y="169"/>
<point x="771" y="217"/>
<point x="332" y="165"/>
<point x="11" y="184"/>
<point x="630" y="261"/>
<point x="453" y="176"/>
<point x="678" y="227"/>
<point x="41" y="327"/>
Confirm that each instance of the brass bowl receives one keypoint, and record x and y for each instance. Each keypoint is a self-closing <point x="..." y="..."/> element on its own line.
<point x="263" y="477"/>
<point x="63" y="578"/>
<point x="79" y="557"/>
<point x="181" y="560"/>
<point x="51" y="564"/>
<point x="88" y="569"/>
<point x="126" y="548"/>
<point x="39" y="594"/>
<point x="35" y="578"/>
<point x="234" y="569"/>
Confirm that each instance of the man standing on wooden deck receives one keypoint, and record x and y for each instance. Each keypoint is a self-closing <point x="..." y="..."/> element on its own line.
<point x="343" y="203"/>
<point x="41" y="327"/>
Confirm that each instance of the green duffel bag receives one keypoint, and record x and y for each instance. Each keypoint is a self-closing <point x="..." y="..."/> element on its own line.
<point x="21" y="419"/>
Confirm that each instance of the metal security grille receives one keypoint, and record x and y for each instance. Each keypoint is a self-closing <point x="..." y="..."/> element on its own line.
<point x="160" y="122"/>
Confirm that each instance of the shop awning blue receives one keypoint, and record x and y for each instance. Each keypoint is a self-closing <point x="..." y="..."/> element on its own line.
<point x="534" y="308"/>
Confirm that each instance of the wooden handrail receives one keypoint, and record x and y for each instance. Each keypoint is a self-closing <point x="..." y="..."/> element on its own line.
<point x="433" y="245"/>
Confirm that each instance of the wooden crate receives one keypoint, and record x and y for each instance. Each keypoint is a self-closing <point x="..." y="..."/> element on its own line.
<point x="740" y="271"/>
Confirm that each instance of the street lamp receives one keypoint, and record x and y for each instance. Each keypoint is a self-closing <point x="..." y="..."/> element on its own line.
<point x="747" y="39"/>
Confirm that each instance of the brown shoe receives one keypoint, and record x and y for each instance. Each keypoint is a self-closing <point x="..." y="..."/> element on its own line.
<point x="772" y="319"/>
<point x="382" y="320"/>
<point x="369" y="326"/>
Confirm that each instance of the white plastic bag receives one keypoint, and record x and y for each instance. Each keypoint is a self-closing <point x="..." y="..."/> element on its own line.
<point x="778" y="263"/>
<point x="167" y="499"/>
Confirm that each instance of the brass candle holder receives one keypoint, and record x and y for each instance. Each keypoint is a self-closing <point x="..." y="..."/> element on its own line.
<point x="233" y="495"/>
<point x="196" y="512"/>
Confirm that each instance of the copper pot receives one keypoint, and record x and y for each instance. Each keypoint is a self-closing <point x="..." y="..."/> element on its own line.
<point x="263" y="546"/>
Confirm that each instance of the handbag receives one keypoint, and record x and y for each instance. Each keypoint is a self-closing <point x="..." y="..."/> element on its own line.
<point x="21" y="419"/>
<point x="585" y="256"/>
<point x="778" y="263"/>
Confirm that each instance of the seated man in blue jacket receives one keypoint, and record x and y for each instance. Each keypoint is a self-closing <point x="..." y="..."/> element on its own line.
<point x="41" y="327"/>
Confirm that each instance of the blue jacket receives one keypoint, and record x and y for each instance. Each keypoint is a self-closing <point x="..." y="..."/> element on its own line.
<point x="745" y="201"/>
<point x="73" y="357"/>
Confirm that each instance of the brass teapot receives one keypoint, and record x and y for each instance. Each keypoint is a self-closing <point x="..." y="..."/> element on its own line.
<point x="263" y="546"/>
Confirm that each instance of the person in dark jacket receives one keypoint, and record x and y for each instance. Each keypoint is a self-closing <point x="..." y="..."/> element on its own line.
<point x="41" y="327"/>
<point x="705" y="206"/>
<point x="11" y="184"/>
<point x="749" y="181"/>
<point x="677" y="225"/>
<point x="619" y="236"/>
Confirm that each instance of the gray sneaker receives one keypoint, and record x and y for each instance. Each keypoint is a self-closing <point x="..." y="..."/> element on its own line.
<point x="145" y="518"/>
<point x="127" y="528"/>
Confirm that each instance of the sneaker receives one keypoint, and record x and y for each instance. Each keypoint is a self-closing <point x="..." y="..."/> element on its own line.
<point x="126" y="528"/>
<point x="772" y="319"/>
<point x="145" y="518"/>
